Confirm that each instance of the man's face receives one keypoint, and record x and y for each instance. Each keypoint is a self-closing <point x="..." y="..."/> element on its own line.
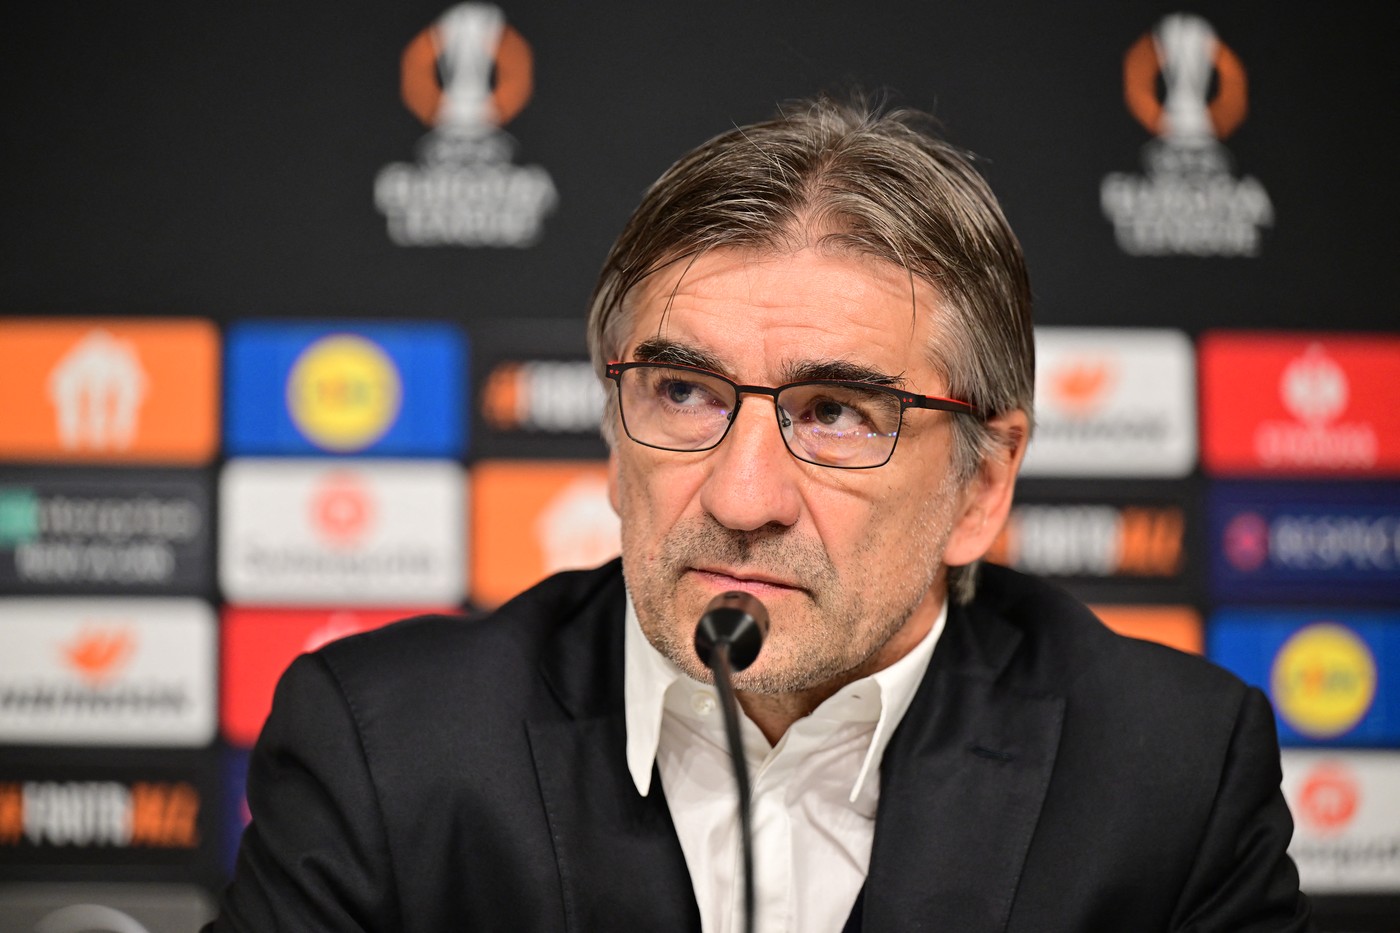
<point x="848" y="562"/>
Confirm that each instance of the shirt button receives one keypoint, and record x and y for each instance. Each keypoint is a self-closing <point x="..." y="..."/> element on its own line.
<point x="703" y="703"/>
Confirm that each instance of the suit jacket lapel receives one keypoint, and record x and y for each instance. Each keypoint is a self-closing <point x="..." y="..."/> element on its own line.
<point x="961" y="787"/>
<point x="620" y="863"/>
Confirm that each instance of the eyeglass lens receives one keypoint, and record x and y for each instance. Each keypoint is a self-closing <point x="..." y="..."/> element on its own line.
<point x="827" y="423"/>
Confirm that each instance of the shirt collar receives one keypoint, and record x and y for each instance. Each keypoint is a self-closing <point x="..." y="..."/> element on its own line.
<point x="648" y="675"/>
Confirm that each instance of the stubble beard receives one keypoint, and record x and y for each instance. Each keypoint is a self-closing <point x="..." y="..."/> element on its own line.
<point x="845" y="623"/>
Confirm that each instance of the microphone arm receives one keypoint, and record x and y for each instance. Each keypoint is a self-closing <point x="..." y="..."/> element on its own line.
<point x="728" y="639"/>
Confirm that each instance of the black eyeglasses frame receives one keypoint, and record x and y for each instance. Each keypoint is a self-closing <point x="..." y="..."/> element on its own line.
<point x="906" y="401"/>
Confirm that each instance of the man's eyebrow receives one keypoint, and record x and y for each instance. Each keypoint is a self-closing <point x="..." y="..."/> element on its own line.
<point x="657" y="350"/>
<point x="839" y="370"/>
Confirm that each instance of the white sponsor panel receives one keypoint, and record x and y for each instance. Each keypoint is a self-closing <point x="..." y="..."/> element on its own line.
<point x="342" y="532"/>
<point x="108" y="671"/>
<point x="105" y="908"/>
<point x="1346" y="811"/>
<point x="1113" y="402"/>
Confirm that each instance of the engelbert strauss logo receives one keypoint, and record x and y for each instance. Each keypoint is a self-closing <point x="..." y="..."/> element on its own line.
<point x="1188" y="203"/>
<point x="464" y="190"/>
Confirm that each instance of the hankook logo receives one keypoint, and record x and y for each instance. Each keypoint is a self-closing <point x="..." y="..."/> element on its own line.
<point x="466" y="76"/>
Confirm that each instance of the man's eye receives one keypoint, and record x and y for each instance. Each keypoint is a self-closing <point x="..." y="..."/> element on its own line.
<point x="681" y="393"/>
<point x="828" y="412"/>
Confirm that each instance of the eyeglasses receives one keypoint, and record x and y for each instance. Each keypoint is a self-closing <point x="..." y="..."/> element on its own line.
<point x="831" y="423"/>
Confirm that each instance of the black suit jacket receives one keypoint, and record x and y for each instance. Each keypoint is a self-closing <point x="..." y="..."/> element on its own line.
<point x="447" y="775"/>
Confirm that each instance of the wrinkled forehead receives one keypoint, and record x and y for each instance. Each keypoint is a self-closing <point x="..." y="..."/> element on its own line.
<point x="654" y="295"/>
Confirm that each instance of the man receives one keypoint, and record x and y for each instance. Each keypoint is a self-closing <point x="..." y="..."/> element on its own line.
<point x="817" y="336"/>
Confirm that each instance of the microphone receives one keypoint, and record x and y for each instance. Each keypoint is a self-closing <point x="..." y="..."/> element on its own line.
<point x="728" y="639"/>
<point x="736" y="619"/>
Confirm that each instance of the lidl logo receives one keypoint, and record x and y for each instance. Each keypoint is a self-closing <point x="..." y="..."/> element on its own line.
<point x="1323" y="680"/>
<point x="109" y="390"/>
<point x="344" y="392"/>
<point x="384" y="389"/>
<point x="1331" y="676"/>
<point x="1295" y="404"/>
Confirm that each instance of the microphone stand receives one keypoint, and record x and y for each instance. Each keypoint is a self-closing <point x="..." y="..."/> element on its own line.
<point x="728" y="639"/>
<point x="730" y="704"/>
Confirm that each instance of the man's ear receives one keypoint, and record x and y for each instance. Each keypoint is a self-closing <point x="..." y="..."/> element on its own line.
<point x="613" y="495"/>
<point x="986" y="501"/>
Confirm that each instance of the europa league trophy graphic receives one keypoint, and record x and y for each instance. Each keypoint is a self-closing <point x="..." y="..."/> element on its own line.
<point x="468" y="40"/>
<point x="466" y="76"/>
<point x="1187" y="50"/>
<point x="1188" y="202"/>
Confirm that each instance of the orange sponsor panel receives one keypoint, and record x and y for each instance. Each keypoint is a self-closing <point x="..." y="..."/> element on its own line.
<point x="109" y="390"/>
<point x="533" y="518"/>
<point x="1174" y="626"/>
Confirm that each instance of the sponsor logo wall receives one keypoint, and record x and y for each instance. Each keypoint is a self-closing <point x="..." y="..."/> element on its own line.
<point x="187" y="503"/>
<point x="348" y="498"/>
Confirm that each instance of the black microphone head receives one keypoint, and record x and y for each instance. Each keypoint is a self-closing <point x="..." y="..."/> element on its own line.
<point x="736" y="619"/>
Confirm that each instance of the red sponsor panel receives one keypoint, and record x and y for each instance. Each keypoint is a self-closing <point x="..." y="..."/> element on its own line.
<point x="259" y="644"/>
<point x="1300" y="404"/>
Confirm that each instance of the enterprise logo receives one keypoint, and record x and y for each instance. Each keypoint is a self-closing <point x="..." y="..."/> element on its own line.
<point x="110" y="671"/>
<point x="1113" y="402"/>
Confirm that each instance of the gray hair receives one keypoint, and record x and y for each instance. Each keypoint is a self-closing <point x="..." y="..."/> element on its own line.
<point x="847" y="176"/>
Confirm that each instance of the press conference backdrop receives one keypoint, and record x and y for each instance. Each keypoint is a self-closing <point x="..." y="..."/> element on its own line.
<point x="291" y="329"/>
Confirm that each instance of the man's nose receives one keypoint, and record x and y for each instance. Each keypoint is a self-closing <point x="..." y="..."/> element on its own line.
<point x="753" y="478"/>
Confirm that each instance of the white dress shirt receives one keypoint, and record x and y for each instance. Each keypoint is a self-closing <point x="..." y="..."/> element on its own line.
<point x="814" y="793"/>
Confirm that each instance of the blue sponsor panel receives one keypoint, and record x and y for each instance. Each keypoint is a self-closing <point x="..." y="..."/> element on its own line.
<point x="235" y="817"/>
<point x="1321" y="542"/>
<point x="1333" y="675"/>
<point x="345" y="388"/>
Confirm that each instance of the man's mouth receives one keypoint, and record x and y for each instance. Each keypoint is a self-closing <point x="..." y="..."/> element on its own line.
<point x="752" y="581"/>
